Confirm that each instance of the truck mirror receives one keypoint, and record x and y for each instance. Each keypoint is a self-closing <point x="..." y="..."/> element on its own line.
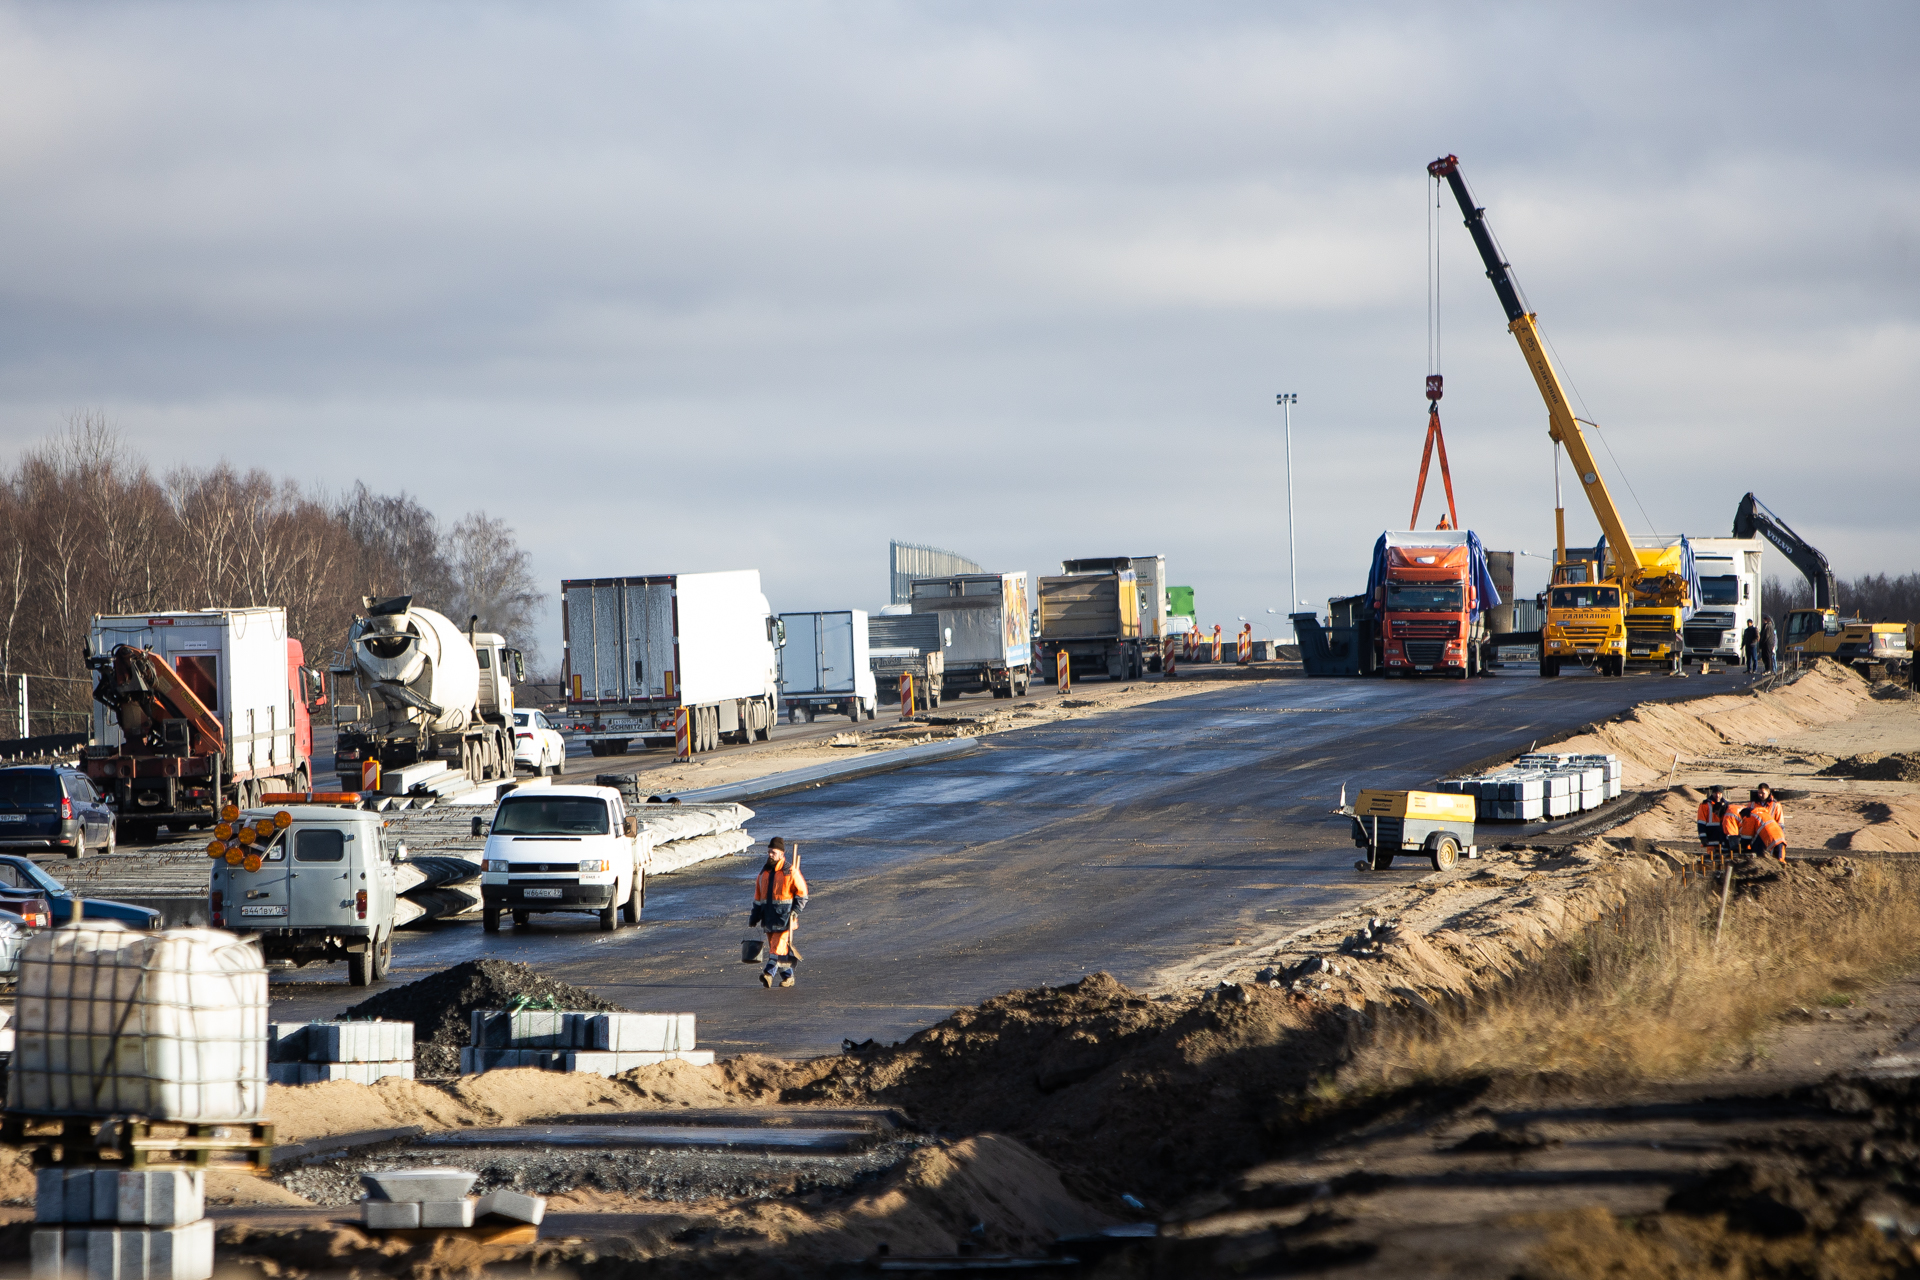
<point x="779" y="634"/>
<point x="632" y="827"/>
<point x="519" y="666"/>
<point x="479" y="826"/>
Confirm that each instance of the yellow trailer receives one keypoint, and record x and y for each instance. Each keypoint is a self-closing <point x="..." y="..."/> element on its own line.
<point x="1437" y="825"/>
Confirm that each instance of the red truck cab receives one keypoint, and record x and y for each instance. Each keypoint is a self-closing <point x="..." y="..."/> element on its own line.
<point x="1430" y="601"/>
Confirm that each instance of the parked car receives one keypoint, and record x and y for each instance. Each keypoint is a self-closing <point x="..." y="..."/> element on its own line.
<point x="18" y="874"/>
<point x="537" y="745"/>
<point x="47" y="807"/>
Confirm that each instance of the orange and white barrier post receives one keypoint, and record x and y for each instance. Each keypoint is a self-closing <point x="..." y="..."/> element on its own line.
<point x="906" y="695"/>
<point x="1246" y="644"/>
<point x="682" y="735"/>
<point x="1166" y="658"/>
<point x="369" y="776"/>
<point x="1216" y="642"/>
<point x="1063" y="671"/>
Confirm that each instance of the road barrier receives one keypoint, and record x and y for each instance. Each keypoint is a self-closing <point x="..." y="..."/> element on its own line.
<point x="1216" y="642"/>
<point x="1246" y="644"/>
<point x="906" y="695"/>
<point x="1063" y="671"/>
<point x="682" y="735"/>
<point x="1166" y="658"/>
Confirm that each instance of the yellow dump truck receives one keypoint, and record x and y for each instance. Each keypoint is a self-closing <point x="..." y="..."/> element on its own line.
<point x="1436" y="825"/>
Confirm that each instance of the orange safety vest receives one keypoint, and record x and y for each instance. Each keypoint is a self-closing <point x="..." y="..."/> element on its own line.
<point x="1771" y="809"/>
<point x="1750" y="819"/>
<point x="1772" y="837"/>
<point x="1711" y="821"/>
<point x="778" y="884"/>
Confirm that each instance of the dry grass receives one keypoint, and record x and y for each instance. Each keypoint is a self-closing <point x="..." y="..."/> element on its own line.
<point x="1646" y="993"/>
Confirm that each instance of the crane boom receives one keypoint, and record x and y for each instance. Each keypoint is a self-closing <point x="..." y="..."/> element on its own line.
<point x="1562" y="426"/>
<point x="1753" y="517"/>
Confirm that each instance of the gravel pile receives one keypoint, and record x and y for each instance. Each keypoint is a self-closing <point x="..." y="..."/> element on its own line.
<point x="657" y="1175"/>
<point x="438" y="1005"/>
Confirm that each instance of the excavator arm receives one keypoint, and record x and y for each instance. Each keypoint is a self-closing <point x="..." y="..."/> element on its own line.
<point x="1753" y="517"/>
<point x="1561" y="424"/>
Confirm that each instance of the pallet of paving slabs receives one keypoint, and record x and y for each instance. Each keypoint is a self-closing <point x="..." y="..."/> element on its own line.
<point x="1509" y="795"/>
<point x="640" y="1032"/>
<point x="104" y="1252"/>
<point x="528" y="1029"/>
<point x="313" y="1052"/>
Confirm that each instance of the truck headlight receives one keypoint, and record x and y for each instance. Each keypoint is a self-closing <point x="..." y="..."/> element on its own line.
<point x="595" y="864"/>
<point x="497" y="864"/>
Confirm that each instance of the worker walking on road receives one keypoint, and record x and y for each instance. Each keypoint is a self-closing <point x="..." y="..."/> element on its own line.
<point x="778" y="895"/>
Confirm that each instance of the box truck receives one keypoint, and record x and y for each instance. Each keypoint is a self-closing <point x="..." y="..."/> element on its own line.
<point x="983" y="620"/>
<point x="196" y="709"/>
<point x="640" y="649"/>
<point x="824" y="665"/>
<point x="907" y="644"/>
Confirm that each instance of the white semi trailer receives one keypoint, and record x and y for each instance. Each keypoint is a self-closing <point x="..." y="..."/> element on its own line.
<point x="429" y="691"/>
<point x="1729" y="570"/>
<point x="641" y="649"/>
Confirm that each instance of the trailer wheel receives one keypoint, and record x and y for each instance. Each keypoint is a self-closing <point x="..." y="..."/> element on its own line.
<point x="521" y="919"/>
<point x="1444" y="851"/>
<point x="853" y="710"/>
<point x="490" y="919"/>
<point x="1379" y="859"/>
<point x="794" y="716"/>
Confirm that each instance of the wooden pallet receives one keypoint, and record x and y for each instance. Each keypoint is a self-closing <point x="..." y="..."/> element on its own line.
<point x="487" y="1233"/>
<point x="75" y="1141"/>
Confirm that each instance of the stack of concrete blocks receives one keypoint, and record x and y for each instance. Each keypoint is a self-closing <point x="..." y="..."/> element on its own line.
<point x="424" y="1199"/>
<point x="1507" y="795"/>
<point x="311" y="1052"/>
<point x="121" y="1224"/>
<point x="6" y="1031"/>
<point x="603" y="1043"/>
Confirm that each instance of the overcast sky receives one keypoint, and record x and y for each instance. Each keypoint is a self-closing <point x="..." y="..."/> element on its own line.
<point x="710" y="286"/>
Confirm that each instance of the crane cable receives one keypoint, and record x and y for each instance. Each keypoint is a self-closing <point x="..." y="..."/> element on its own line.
<point x="1434" y="435"/>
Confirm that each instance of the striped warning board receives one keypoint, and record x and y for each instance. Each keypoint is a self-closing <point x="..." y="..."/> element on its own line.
<point x="682" y="735"/>
<point x="1166" y="657"/>
<point x="1063" y="670"/>
<point x="906" y="695"/>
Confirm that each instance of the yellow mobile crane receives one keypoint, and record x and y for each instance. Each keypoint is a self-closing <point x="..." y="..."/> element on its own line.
<point x="1628" y="602"/>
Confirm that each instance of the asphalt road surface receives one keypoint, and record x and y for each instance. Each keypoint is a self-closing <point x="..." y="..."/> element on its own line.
<point x="1128" y="842"/>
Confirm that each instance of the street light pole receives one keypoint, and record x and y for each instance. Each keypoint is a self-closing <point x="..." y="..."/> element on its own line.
<point x="1286" y="400"/>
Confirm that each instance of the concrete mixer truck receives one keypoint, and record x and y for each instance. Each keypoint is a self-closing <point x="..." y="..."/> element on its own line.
<point x="431" y="692"/>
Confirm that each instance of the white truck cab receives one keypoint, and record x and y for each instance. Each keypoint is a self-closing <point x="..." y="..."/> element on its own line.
<point x="563" y="849"/>
<point x="322" y="885"/>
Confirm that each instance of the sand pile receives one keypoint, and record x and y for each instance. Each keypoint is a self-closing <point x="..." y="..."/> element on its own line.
<point x="1877" y="766"/>
<point x="438" y="1005"/>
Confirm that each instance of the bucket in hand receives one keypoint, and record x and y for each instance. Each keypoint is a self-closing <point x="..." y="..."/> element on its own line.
<point x="752" y="950"/>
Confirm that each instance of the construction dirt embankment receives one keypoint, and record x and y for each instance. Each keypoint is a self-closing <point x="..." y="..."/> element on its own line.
<point x="1442" y="1082"/>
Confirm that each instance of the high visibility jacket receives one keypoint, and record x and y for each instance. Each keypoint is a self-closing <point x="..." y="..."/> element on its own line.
<point x="1771" y="836"/>
<point x="774" y="896"/>
<point x="1750" y="822"/>
<point x="1711" y="821"/>
<point x="1772" y="810"/>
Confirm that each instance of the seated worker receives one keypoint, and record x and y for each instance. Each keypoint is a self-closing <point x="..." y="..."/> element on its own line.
<point x="1772" y="841"/>
<point x="1711" y="821"/>
<point x="1752" y="817"/>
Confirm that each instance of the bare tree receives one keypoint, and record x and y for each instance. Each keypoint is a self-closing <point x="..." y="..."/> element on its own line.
<point x="398" y="543"/>
<point x="493" y="578"/>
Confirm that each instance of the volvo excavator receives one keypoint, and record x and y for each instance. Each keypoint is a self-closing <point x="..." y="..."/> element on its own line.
<point x="1820" y="632"/>
<point x="1626" y="601"/>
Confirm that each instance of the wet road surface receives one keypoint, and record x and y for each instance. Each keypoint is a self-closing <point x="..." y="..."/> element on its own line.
<point x="1128" y="842"/>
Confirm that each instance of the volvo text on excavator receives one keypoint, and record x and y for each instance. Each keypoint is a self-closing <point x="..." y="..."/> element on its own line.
<point x="1629" y="600"/>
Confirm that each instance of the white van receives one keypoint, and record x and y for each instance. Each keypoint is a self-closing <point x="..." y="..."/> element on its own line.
<point x="564" y="849"/>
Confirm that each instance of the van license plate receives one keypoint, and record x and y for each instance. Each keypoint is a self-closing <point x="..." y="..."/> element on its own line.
<point x="539" y="893"/>
<point x="13" y="817"/>
<point x="263" y="910"/>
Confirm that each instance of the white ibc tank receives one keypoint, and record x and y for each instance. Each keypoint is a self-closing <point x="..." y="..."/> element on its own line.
<point x="418" y="663"/>
<point x="169" y="1026"/>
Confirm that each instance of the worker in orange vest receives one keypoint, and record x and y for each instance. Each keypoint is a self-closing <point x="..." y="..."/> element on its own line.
<point x="1753" y="816"/>
<point x="1711" y="821"/>
<point x="1771" y="840"/>
<point x="1771" y="803"/>
<point x="778" y="895"/>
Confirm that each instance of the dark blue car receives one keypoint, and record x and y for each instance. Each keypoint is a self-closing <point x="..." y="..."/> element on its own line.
<point x="19" y="874"/>
<point x="46" y="807"/>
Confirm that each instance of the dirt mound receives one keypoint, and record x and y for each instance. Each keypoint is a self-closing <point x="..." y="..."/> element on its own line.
<point x="438" y="1005"/>
<point x="1877" y="766"/>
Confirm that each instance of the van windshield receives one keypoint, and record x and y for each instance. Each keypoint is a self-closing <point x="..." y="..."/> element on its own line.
<point x="551" y="816"/>
<point x="1428" y="597"/>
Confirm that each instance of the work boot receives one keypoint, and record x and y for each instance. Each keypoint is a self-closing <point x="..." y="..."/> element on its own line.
<point x="786" y="978"/>
<point x="766" y="978"/>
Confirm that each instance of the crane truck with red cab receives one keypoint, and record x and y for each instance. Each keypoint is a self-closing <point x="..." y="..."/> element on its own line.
<point x="1430" y="590"/>
<point x="196" y="709"/>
